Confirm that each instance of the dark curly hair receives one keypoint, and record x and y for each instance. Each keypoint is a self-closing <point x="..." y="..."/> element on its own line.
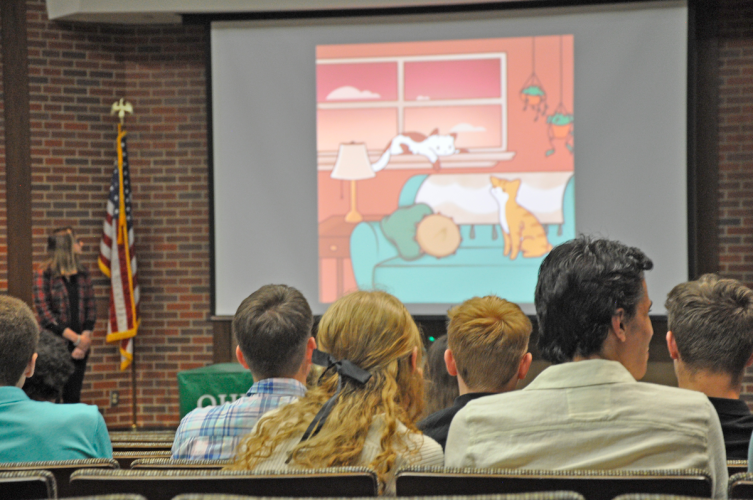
<point x="53" y="369"/>
<point x="581" y="285"/>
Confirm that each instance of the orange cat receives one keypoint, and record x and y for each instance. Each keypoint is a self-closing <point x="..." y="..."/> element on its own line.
<point x="521" y="229"/>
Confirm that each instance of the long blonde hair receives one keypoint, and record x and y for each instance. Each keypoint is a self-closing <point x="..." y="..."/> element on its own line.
<point x="375" y="331"/>
<point x="63" y="260"/>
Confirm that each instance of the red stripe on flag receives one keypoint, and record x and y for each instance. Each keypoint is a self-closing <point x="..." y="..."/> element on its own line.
<point x="127" y="298"/>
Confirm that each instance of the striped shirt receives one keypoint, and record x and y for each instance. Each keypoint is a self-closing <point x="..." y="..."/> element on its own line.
<point x="214" y="432"/>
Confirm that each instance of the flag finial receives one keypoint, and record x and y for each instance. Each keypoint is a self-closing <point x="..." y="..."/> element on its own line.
<point x="121" y="108"/>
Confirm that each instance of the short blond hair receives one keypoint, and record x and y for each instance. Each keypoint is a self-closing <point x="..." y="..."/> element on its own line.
<point x="487" y="337"/>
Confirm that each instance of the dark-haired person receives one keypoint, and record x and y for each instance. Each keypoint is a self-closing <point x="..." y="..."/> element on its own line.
<point x="487" y="353"/>
<point x="710" y="339"/>
<point x="64" y="301"/>
<point x="273" y="329"/>
<point x="33" y="430"/>
<point x="441" y="388"/>
<point x="52" y="370"/>
<point x="587" y="411"/>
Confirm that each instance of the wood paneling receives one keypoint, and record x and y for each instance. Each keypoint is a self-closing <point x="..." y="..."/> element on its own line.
<point x="17" y="147"/>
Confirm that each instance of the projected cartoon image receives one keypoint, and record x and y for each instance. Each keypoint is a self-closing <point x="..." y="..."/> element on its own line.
<point x="434" y="183"/>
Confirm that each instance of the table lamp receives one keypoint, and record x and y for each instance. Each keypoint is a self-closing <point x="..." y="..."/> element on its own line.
<point x="352" y="165"/>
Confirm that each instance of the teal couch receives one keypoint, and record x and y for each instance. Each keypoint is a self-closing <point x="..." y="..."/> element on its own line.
<point x="477" y="268"/>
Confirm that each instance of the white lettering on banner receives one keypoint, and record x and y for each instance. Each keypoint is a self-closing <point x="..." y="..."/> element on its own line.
<point x="206" y="396"/>
<point x="213" y="401"/>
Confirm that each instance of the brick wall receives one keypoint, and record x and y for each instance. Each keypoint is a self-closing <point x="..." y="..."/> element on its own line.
<point x="736" y="140"/>
<point x="736" y="148"/>
<point x="76" y="72"/>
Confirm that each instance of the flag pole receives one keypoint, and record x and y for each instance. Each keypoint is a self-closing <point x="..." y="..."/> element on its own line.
<point x="116" y="261"/>
<point x="134" y="388"/>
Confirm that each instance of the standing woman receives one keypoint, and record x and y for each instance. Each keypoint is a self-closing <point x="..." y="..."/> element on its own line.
<point x="64" y="301"/>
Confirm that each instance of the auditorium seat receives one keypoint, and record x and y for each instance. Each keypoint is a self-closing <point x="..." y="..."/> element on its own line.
<point x="736" y="466"/>
<point x="111" y="496"/>
<point x="643" y="496"/>
<point x="546" y="495"/>
<point x="165" y="484"/>
<point x="592" y="484"/>
<point x="126" y="458"/>
<point x="141" y="446"/>
<point x="741" y="485"/>
<point x="27" y="484"/>
<point x="61" y="469"/>
<point x="166" y="463"/>
<point x="142" y="436"/>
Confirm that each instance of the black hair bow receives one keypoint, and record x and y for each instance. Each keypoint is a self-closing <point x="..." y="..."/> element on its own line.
<point x="344" y="368"/>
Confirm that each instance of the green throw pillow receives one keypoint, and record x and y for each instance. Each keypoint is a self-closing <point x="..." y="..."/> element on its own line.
<point x="400" y="229"/>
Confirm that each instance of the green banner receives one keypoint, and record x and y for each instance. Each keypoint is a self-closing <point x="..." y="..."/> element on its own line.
<point x="212" y="385"/>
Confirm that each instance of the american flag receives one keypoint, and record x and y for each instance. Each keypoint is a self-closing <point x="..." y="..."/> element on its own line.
<point x="117" y="259"/>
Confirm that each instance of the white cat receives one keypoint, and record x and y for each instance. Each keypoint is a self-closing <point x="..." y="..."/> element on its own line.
<point x="432" y="147"/>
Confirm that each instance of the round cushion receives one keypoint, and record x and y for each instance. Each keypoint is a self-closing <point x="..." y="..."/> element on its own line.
<point x="438" y="235"/>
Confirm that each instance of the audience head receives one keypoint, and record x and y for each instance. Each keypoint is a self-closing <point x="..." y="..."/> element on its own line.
<point x="587" y="289"/>
<point x="64" y="248"/>
<point x="273" y="329"/>
<point x="488" y="344"/>
<point x="19" y="334"/>
<point x="374" y="331"/>
<point x="710" y="324"/>
<point x="441" y="387"/>
<point x="53" y="368"/>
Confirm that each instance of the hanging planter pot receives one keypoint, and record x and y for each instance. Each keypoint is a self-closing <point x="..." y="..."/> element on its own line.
<point x="532" y="93"/>
<point x="559" y="125"/>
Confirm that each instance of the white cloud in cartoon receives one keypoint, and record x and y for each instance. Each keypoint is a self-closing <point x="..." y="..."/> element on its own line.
<point x="348" y="93"/>
<point x="467" y="127"/>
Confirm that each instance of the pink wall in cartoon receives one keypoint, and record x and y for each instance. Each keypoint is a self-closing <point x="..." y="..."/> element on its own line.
<point x="378" y="94"/>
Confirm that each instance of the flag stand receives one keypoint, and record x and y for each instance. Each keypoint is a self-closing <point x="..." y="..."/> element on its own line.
<point x="117" y="260"/>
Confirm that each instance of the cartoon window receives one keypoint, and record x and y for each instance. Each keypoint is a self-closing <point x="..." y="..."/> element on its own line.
<point x="374" y="99"/>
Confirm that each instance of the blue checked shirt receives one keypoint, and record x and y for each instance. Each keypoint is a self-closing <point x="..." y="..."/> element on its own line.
<point x="214" y="432"/>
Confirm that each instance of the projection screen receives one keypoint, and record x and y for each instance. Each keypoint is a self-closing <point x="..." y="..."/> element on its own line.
<point x="435" y="156"/>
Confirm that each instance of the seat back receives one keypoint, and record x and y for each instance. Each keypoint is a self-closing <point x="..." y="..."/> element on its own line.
<point x="168" y="464"/>
<point x="142" y="437"/>
<point x="740" y="485"/>
<point x="141" y="446"/>
<point x="165" y="484"/>
<point x="27" y="484"/>
<point x="61" y="469"/>
<point x="545" y="495"/>
<point x="592" y="484"/>
<point x="641" y="496"/>
<point x="126" y="458"/>
<point x="736" y="467"/>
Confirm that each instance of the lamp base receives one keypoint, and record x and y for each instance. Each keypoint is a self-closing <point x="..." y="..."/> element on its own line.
<point x="353" y="216"/>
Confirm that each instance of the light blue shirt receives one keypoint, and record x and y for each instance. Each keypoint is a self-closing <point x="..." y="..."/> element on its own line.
<point x="33" y="431"/>
<point x="214" y="432"/>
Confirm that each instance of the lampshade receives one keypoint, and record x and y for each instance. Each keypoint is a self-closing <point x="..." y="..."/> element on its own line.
<point x="352" y="163"/>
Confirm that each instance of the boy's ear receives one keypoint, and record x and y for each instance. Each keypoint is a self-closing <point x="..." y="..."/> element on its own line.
<point x="618" y="325"/>
<point x="241" y="359"/>
<point x="750" y="361"/>
<point x="525" y="365"/>
<point x="449" y="363"/>
<point x="674" y="352"/>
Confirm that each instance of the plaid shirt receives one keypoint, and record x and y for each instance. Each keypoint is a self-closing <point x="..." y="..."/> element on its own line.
<point x="52" y="305"/>
<point x="214" y="432"/>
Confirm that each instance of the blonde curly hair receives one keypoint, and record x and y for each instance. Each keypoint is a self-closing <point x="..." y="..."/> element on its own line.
<point x="375" y="331"/>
